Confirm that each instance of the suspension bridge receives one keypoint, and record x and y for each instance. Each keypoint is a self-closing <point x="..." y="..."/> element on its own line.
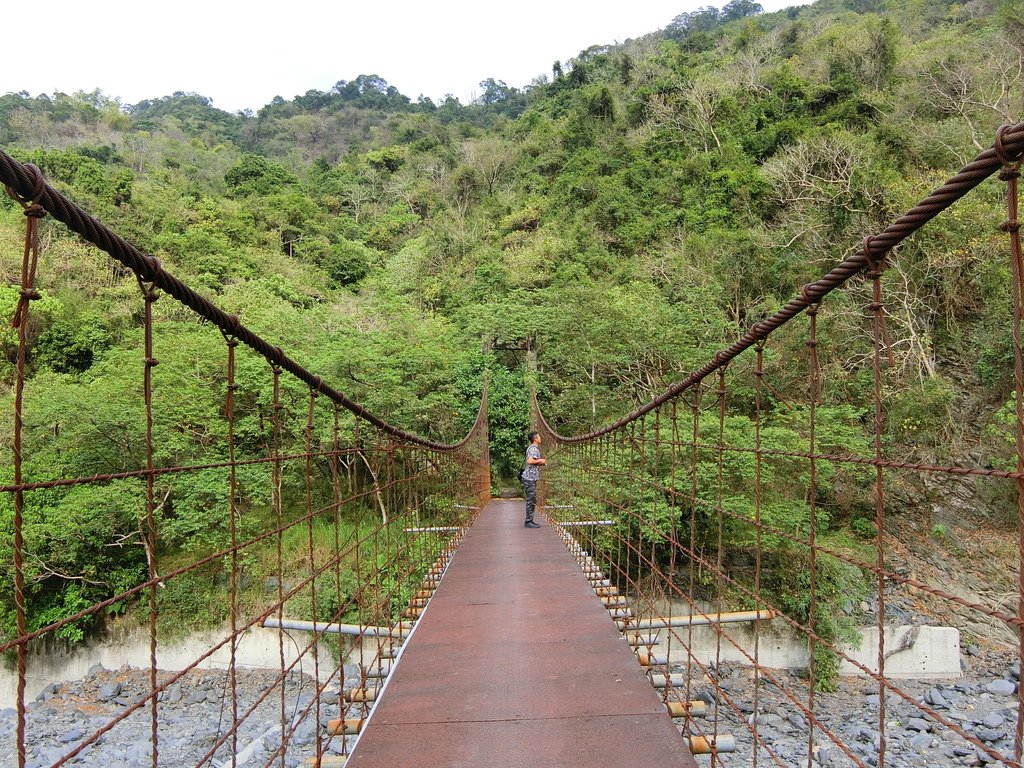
<point x="479" y="642"/>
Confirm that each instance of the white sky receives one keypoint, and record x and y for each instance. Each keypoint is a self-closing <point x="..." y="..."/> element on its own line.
<point x="242" y="54"/>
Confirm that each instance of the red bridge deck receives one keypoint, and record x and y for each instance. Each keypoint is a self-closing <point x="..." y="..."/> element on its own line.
<point x="516" y="662"/>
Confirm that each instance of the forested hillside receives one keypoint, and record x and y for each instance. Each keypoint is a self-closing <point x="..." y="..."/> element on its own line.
<point x="625" y="217"/>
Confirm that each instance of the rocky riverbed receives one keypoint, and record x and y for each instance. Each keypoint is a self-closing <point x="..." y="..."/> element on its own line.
<point x="195" y="714"/>
<point x="982" y="703"/>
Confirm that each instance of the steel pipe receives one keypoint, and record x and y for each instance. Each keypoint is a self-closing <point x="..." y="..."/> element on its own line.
<point x="687" y="708"/>
<point x="704" y="745"/>
<point x="648" y="659"/>
<point x="582" y="523"/>
<point x="347" y="727"/>
<point x="432" y="529"/>
<point x="638" y="640"/>
<point x="700" y="619"/>
<point x="377" y="671"/>
<point x="357" y="630"/>
<point x="326" y="761"/>
<point x="354" y="695"/>
<point x="662" y="680"/>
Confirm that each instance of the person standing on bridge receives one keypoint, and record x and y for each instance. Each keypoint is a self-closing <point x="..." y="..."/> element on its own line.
<point x="531" y="476"/>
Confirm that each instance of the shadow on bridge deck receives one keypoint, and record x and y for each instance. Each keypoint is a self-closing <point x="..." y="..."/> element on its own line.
<point x="516" y="662"/>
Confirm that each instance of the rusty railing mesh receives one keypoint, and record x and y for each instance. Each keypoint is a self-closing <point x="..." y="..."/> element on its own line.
<point x="355" y="515"/>
<point x="706" y="511"/>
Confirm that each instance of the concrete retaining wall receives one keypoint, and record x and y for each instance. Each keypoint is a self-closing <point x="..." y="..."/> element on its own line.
<point x="911" y="652"/>
<point x="55" y="661"/>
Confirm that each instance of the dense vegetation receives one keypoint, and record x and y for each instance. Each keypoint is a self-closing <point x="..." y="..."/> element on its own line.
<point x="625" y="217"/>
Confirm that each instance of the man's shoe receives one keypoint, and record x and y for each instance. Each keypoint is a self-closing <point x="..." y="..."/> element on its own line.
<point x="530" y="524"/>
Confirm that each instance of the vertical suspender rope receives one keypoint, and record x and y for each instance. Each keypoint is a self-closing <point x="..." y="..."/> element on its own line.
<point x="28" y="293"/>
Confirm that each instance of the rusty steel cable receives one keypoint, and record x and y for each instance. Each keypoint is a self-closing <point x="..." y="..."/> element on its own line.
<point x="149" y="296"/>
<point x="655" y="569"/>
<point x="410" y="477"/>
<point x="1010" y="173"/>
<point x="27" y="293"/>
<point x="206" y="560"/>
<point x="650" y="569"/>
<point x="26" y="182"/>
<point x="1009" y="148"/>
<point x="813" y="392"/>
<point x="878" y="341"/>
<point x="804" y="629"/>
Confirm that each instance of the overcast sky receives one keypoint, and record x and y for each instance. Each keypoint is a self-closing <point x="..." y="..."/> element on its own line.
<point x="242" y="54"/>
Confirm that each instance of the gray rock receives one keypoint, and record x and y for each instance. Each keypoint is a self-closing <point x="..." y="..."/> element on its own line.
<point x="867" y="734"/>
<point x="798" y="721"/>
<point x="94" y="670"/>
<point x="1001" y="688"/>
<point x="1015" y="670"/>
<point x="48" y="692"/>
<point x="990" y="735"/>
<point x="993" y="720"/>
<point x="304" y="733"/>
<point x="196" y="697"/>
<point x="983" y="756"/>
<point x="921" y="741"/>
<point x="108" y="692"/>
<point x="172" y="694"/>
<point x="935" y="698"/>
<point x="331" y="697"/>
<point x="872" y="700"/>
<point x="141" y="749"/>
<point x="73" y="735"/>
<point x="918" y="724"/>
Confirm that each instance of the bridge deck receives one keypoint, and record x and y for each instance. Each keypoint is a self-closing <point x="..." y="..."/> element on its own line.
<point x="516" y="662"/>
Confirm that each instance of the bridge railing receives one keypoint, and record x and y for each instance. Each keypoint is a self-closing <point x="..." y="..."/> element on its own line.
<point x="306" y="527"/>
<point x="738" y="530"/>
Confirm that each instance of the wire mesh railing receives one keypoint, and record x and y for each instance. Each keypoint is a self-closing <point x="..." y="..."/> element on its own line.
<point x="703" y="520"/>
<point x="314" y="530"/>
